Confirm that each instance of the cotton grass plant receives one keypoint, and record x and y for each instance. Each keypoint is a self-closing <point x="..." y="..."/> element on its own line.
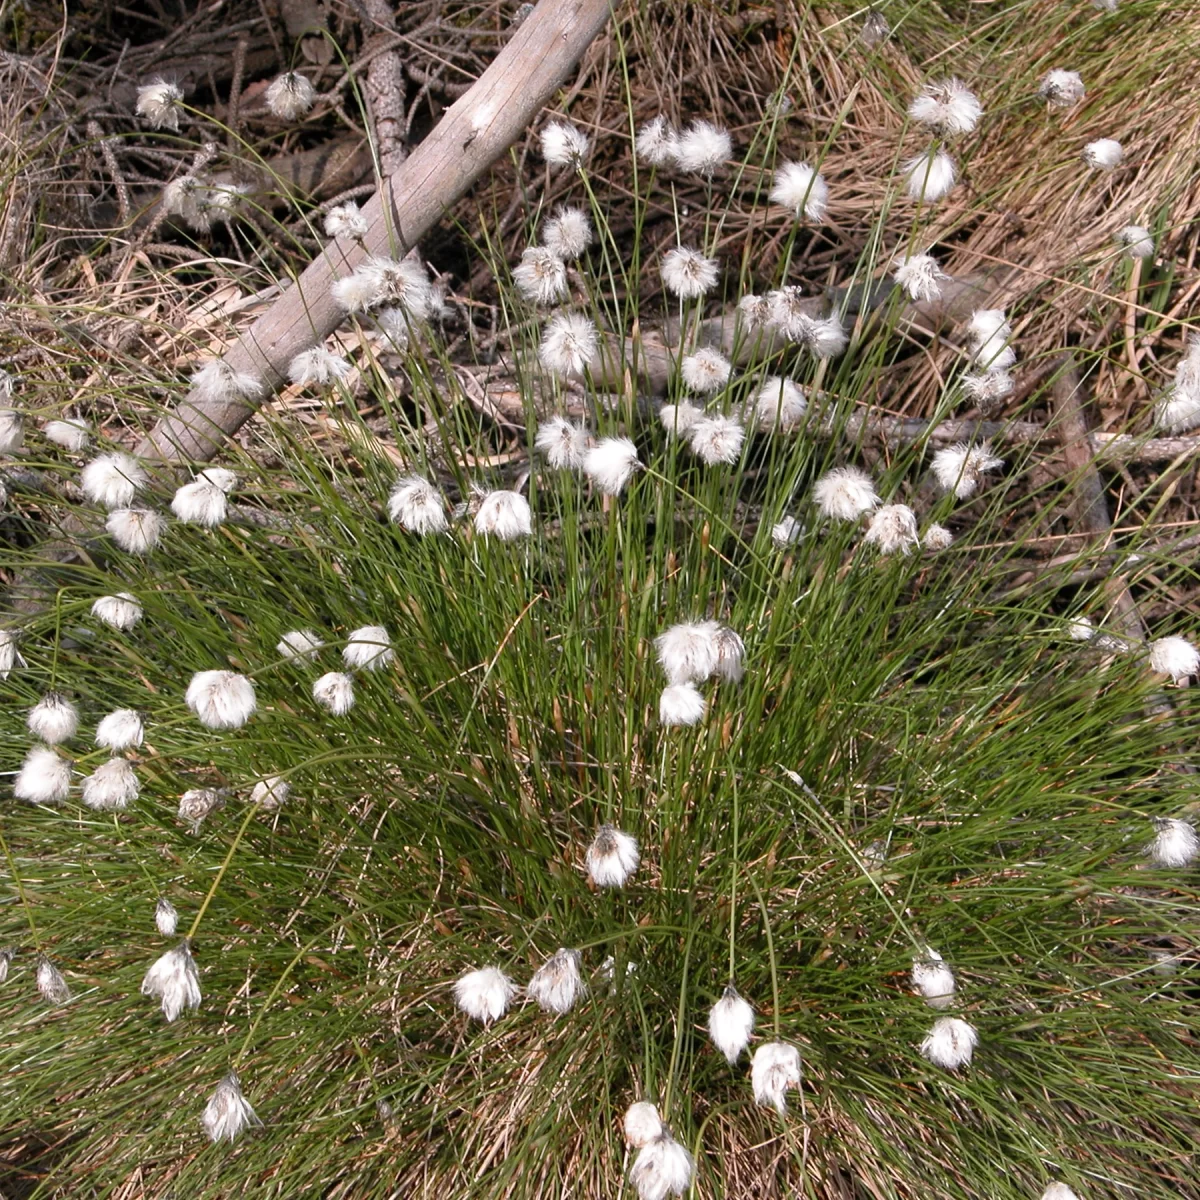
<point x="454" y="890"/>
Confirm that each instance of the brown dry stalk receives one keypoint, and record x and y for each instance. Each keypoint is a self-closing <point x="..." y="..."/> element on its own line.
<point x="475" y="131"/>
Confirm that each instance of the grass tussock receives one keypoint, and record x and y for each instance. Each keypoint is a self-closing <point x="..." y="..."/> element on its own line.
<point x="918" y="756"/>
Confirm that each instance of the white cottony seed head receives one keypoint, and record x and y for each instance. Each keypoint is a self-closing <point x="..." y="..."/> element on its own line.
<point x="1080" y="629"/>
<point x="948" y="107"/>
<point x="730" y="652"/>
<point x="417" y="506"/>
<point x="200" y="503"/>
<point x="569" y="344"/>
<point x="754" y="312"/>
<point x="9" y="654"/>
<point x="662" y="1168"/>
<point x="845" y="493"/>
<point x="706" y="371"/>
<point x="681" y="704"/>
<point x="12" y="430"/>
<point x="642" y="1124"/>
<point x="110" y="787"/>
<point x="933" y="979"/>
<point x="960" y="468"/>
<point x="317" y="367"/>
<point x="68" y="433"/>
<point x="112" y="480"/>
<point x="196" y="804"/>
<point x="368" y="647"/>
<point x="217" y="383"/>
<point x="703" y="149"/>
<point x="988" y="388"/>
<point x="271" y="793"/>
<point x="290" y="95"/>
<point x="44" y="777"/>
<point x="920" y="276"/>
<point x="564" y="145"/>
<point x="678" y="419"/>
<point x="1175" y="843"/>
<point x="541" y="276"/>
<point x="1061" y="88"/>
<point x="504" y="515"/>
<point x="166" y="919"/>
<point x="730" y="1024"/>
<point x="1058" y="1191"/>
<point x="299" y="644"/>
<point x="1174" y="656"/>
<point x="136" y="530"/>
<point x="335" y="691"/>
<point x="53" y="718"/>
<point x="802" y="189"/>
<point x="937" y="537"/>
<point x="688" y="274"/>
<point x="930" y="176"/>
<point x="484" y="994"/>
<point x="689" y="651"/>
<point x="612" y="857"/>
<point x="556" y="985"/>
<point x="158" y="102"/>
<point x="779" y="405"/>
<point x="50" y="983"/>
<point x="120" y="730"/>
<point x="1179" y="409"/>
<point x="611" y="463"/>
<point x="173" y="979"/>
<point x="775" y="1068"/>
<point x="562" y="443"/>
<point x="657" y="144"/>
<point x="1138" y="241"/>
<point x="893" y="530"/>
<point x="121" y="612"/>
<point x="950" y="1043"/>
<point x="1104" y="154"/>
<point x="228" y="1113"/>
<point x="345" y="220"/>
<point x="787" y="532"/>
<point x="568" y="233"/>
<point x="717" y="439"/>
<point x="221" y="699"/>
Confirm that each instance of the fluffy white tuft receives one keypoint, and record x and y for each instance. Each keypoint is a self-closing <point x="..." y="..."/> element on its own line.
<point x="717" y="439"/>
<point x="290" y="95"/>
<point x="989" y="388"/>
<point x="174" y="980"/>
<point x="504" y="515"/>
<point x="948" y="107"/>
<point x="754" y="312"/>
<point x="44" y="777"/>
<point x="368" y="647"/>
<point x="688" y="274"/>
<point x="158" y="102"/>
<point x="689" y="651"/>
<point x="775" y="1068"/>
<point x="68" y="433"/>
<point x="568" y="233"/>
<point x="317" y="367"/>
<point x="166" y="919"/>
<point x="417" y="506"/>
<point x="786" y="532"/>
<point x="562" y="443"/>
<point x="196" y="804"/>
<point x="564" y="145"/>
<point x="1179" y="409"/>
<point x="1138" y="241"/>
<point x="1080" y="629"/>
<point x="657" y="143"/>
<point x="112" y="480"/>
<point x="677" y="419"/>
<point x="120" y="730"/>
<point x="569" y="344"/>
<point x="642" y="1124"/>
<point x="345" y="220"/>
<point x="135" y="530"/>
<point x="541" y="276"/>
<point x="800" y="188"/>
<point x="612" y="857"/>
<point x="950" y="1043"/>
<point x="932" y="979"/>
<point x="681" y="704"/>
<point x="1175" y="843"/>
<point x="662" y="1168"/>
<point x="1058" y="1191"/>
<point x="930" y="176"/>
<point x="706" y="371"/>
<point x="1104" y="154"/>
<point x="1174" y="656"/>
<point x="200" y="503"/>
<point x="335" y="691"/>
<point x="845" y="493"/>
<point x="730" y="1024"/>
<point x="937" y="537"/>
<point x="53" y="718"/>
<point x="960" y="468"/>
<point x="228" y="1112"/>
<point x="484" y="994"/>
<point x="893" y="530"/>
<point x="121" y="612"/>
<point x="299" y="644"/>
<point x="12" y="430"/>
<point x="221" y="699"/>
<point x="557" y="984"/>
<point x="50" y="983"/>
<point x="779" y="404"/>
<point x="1061" y="88"/>
<point x="611" y="463"/>
<point x="920" y="276"/>
<point x="271" y="793"/>
<point x="703" y="149"/>
<point x="111" y="786"/>
<point x="218" y="383"/>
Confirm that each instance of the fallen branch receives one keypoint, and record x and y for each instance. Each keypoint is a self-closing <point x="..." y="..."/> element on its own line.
<point x="474" y="132"/>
